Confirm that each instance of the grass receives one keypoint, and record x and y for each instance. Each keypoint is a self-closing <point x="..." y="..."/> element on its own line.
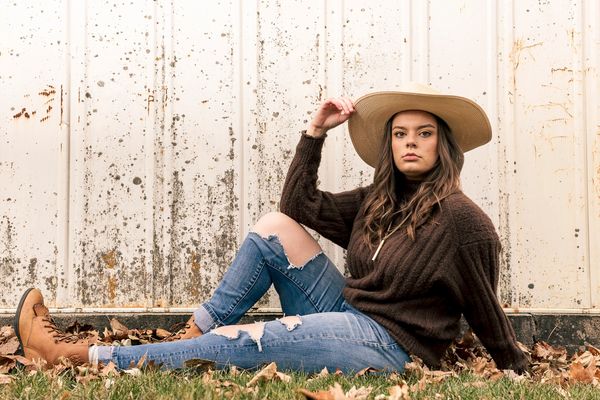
<point x="218" y="385"/>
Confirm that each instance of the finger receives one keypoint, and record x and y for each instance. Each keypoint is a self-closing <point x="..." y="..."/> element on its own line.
<point x="348" y="104"/>
<point x="333" y="103"/>
<point x="344" y="105"/>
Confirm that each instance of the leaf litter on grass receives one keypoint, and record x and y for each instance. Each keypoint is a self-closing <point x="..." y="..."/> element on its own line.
<point x="548" y="364"/>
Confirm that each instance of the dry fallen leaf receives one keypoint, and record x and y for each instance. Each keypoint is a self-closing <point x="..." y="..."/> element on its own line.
<point x="399" y="392"/>
<point x="579" y="373"/>
<point x="162" y="333"/>
<point x="10" y="346"/>
<point x="366" y="371"/>
<point x="320" y="395"/>
<point x="199" y="364"/>
<point x="119" y="331"/>
<point x="269" y="373"/>
<point x="337" y="393"/>
<point x="5" y="379"/>
<point x="109" y="370"/>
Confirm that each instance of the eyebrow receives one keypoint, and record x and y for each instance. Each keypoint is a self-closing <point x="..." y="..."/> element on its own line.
<point x="418" y="128"/>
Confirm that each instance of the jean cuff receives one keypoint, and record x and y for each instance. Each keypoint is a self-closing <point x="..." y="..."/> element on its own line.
<point x="105" y="354"/>
<point x="204" y="320"/>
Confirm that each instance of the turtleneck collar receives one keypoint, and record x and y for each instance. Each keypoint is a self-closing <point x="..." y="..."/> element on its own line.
<point x="406" y="188"/>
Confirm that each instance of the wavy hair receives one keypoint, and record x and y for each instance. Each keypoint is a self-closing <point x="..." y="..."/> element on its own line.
<point x="385" y="211"/>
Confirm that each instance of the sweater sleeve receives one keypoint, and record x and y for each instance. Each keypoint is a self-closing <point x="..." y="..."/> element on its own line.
<point x="331" y="215"/>
<point x="479" y="265"/>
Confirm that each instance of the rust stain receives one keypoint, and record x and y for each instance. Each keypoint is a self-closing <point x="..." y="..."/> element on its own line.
<point x="110" y="259"/>
<point x="149" y="100"/>
<point x="563" y="69"/>
<point x="515" y="56"/>
<point x="47" y="92"/>
<point x="61" y="103"/>
<point x="20" y="113"/>
<point x="112" y="288"/>
<point x="195" y="267"/>
<point x="195" y="262"/>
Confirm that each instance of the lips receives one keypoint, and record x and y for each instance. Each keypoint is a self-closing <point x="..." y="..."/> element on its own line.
<point x="410" y="157"/>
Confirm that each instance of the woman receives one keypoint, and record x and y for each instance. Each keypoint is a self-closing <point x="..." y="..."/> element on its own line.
<point x="419" y="252"/>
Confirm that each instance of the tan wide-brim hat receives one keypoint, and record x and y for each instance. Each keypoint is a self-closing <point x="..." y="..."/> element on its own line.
<point x="468" y="122"/>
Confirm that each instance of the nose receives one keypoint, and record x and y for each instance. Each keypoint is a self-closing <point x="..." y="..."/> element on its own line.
<point x="411" y="141"/>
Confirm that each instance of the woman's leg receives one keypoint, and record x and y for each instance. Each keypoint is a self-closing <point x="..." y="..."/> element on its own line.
<point x="347" y="339"/>
<point x="278" y="251"/>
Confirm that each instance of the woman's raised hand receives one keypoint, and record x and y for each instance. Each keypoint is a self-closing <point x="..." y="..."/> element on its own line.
<point x="330" y="114"/>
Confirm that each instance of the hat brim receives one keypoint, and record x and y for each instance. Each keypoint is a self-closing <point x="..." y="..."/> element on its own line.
<point x="467" y="120"/>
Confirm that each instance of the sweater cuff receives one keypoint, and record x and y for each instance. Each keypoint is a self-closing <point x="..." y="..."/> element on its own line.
<point x="513" y="359"/>
<point x="304" y="134"/>
<point x="309" y="149"/>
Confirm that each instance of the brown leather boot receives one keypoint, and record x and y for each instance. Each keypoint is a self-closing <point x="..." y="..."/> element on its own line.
<point x="189" y="331"/>
<point x="40" y="338"/>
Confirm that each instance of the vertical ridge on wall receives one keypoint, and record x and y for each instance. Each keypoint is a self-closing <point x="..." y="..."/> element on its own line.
<point x="239" y="117"/>
<point x="506" y="140"/>
<point x="591" y="74"/>
<point x="77" y="18"/>
<point x="332" y="62"/>
<point x="492" y="83"/>
<point x="150" y="150"/>
<point x="248" y="49"/>
<point x="63" y="228"/>
<point x="580" y="141"/>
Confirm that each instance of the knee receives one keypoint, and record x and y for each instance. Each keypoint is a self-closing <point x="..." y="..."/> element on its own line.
<point x="273" y="223"/>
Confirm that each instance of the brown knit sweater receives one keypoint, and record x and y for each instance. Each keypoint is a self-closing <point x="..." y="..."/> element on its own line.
<point x="416" y="289"/>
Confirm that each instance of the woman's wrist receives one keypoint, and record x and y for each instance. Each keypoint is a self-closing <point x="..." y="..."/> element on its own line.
<point x="315" y="131"/>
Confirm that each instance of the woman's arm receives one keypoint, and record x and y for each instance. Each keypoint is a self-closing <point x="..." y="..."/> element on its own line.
<point x="331" y="215"/>
<point x="479" y="266"/>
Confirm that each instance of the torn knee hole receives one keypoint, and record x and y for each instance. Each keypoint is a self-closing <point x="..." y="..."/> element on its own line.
<point x="291" y="322"/>
<point x="232" y="332"/>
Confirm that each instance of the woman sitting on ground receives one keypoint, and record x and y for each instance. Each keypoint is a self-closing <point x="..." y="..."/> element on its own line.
<point x="420" y="254"/>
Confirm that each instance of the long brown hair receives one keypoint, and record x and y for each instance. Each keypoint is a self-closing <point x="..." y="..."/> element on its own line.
<point x="384" y="209"/>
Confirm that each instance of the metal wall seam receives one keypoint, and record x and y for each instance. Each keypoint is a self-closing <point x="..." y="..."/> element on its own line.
<point x="506" y="108"/>
<point x="248" y="49"/>
<point x="77" y="132"/>
<point x="239" y="115"/>
<point x="491" y="86"/>
<point x="332" y="74"/>
<point x="64" y="161"/>
<point x="591" y="75"/>
<point x="150" y="149"/>
<point x="580" y="167"/>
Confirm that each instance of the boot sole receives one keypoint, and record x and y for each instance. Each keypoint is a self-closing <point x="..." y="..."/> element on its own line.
<point x="20" y="350"/>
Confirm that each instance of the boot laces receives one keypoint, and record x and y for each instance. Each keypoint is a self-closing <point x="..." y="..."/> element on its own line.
<point x="57" y="334"/>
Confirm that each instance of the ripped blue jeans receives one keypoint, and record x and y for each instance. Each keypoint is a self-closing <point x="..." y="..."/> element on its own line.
<point x="320" y="330"/>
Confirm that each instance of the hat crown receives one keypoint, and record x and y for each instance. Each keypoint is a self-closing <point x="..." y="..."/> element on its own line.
<point x="415" y="87"/>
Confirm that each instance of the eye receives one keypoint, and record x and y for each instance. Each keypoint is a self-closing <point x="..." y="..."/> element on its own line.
<point x="425" y="134"/>
<point x="399" y="134"/>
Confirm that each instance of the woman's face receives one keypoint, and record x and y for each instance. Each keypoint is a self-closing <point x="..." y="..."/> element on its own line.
<point x="414" y="143"/>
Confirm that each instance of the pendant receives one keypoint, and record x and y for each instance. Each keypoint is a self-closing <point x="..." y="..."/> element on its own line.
<point x="378" y="249"/>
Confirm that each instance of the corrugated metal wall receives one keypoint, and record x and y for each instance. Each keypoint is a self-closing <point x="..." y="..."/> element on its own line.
<point x="140" y="140"/>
